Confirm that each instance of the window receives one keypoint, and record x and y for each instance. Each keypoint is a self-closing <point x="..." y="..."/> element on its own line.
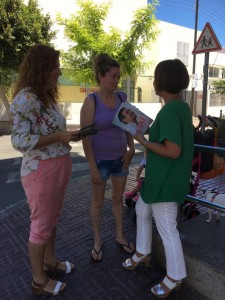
<point x="214" y="72"/>
<point x="182" y="52"/>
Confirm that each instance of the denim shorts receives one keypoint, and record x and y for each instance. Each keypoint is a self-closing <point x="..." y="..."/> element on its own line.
<point x="109" y="168"/>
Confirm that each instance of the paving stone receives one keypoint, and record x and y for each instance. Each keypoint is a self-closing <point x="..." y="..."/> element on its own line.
<point x="106" y="280"/>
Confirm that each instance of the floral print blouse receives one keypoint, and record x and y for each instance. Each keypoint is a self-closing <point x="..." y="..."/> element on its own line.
<point x="30" y="120"/>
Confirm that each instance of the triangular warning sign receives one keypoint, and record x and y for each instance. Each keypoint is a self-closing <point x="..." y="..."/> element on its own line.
<point x="207" y="41"/>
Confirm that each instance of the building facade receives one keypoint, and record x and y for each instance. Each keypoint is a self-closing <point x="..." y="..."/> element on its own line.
<point x="172" y="42"/>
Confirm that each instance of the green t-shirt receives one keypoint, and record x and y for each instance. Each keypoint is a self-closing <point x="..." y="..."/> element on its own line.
<point x="167" y="179"/>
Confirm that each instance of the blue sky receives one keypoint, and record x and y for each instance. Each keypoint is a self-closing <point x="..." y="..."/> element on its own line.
<point x="182" y="12"/>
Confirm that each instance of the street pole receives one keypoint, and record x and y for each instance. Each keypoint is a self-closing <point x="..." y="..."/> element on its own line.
<point x="194" y="57"/>
<point x="205" y="90"/>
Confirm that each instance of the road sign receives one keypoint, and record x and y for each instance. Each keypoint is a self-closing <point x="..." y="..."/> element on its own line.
<point x="207" y="41"/>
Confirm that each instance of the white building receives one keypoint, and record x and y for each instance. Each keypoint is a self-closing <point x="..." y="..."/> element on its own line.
<point x="178" y="42"/>
<point x="172" y="42"/>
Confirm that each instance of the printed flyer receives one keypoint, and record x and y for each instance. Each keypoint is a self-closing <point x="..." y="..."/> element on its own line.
<point x="131" y="119"/>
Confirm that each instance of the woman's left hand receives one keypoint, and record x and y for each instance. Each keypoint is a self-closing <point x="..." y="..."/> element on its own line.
<point x="127" y="158"/>
<point x="75" y="137"/>
<point x="140" y="138"/>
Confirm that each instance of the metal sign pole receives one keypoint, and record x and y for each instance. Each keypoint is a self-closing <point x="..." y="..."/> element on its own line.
<point x="205" y="90"/>
<point x="206" y="43"/>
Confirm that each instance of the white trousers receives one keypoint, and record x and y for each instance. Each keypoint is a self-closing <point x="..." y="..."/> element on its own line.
<point x="165" y="215"/>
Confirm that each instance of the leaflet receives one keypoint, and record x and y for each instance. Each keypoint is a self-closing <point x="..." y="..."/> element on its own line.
<point x="131" y="119"/>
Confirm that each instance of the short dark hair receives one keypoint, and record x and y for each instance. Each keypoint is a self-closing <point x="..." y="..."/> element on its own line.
<point x="103" y="63"/>
<point x="171" y="76"/>
<point x="121" y="116"/>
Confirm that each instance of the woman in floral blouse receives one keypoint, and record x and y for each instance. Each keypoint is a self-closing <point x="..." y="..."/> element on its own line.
<point x="39" y="132"/>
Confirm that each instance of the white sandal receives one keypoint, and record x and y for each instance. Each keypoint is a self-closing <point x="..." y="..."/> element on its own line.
<point x="134" y="261"/>
<point x="56" y="270"/>
<point x="39" y="289"/>
<point x="159" y="292"/>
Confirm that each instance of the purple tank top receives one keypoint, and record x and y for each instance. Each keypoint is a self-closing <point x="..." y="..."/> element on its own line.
<point x="110" y="142"/>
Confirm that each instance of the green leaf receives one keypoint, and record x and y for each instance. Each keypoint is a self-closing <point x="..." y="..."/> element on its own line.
<point x="21" y="26"/>
<point x="87" y="37"/>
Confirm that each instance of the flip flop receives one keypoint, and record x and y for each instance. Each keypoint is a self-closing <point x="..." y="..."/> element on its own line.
<point x="98" y="253"/>
<point x="126" y="246"/>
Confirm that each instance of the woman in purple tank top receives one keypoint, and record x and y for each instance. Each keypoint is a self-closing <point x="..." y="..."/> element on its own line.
<point x="106" y="151"/>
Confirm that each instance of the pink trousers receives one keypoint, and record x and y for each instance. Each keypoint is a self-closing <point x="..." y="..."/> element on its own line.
<point x="45" y="190"/>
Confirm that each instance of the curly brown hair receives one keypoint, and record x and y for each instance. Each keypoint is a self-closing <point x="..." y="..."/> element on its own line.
<point x="34" y="72"/>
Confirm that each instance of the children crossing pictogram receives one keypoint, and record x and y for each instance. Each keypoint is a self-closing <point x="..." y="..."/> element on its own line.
<point x="207" y="41"/>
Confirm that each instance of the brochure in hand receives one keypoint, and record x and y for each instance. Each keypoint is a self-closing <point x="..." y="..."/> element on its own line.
<point x="131" y="119"/>
<point x="87" y="130"/>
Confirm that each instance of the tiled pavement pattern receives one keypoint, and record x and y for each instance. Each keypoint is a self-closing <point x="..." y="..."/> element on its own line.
<point x="106" y="280"/>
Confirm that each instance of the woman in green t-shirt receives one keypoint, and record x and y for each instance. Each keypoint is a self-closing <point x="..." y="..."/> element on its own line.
<point x="167" y="175"/>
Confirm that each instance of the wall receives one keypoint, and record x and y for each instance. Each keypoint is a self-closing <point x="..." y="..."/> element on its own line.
<point x="3" y="115"/>
<point x="74" y="93"/>
<point x="215" y="111"/>
<point x="72" y="110"/>
<point x="219" y="108"/>
<point x="210" y="108"/>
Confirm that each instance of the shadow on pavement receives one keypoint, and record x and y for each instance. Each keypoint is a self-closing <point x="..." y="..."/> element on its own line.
<point x="90" y="281"/>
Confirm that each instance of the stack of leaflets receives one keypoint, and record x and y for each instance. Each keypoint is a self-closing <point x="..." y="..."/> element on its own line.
<point x="131" y="119"/>
<point x="87" y="130"/>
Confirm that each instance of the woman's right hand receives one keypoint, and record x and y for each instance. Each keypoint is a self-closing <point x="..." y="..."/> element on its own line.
<point x="95" y="176"/>
<point x="75" y="136"/>
<point x="65" y="136"/>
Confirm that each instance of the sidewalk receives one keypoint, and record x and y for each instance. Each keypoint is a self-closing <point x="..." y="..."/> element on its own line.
<point x="107" y="279"/>
<point x="90" y="281"/>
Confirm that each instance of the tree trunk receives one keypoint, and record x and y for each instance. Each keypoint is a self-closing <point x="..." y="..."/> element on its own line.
<point x="5" y="102"/>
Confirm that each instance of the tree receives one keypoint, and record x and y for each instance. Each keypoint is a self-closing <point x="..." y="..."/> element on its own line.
<point x="218" y="86"/>
<point x="86" y="33"/>
<point x="21" y="26"/>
